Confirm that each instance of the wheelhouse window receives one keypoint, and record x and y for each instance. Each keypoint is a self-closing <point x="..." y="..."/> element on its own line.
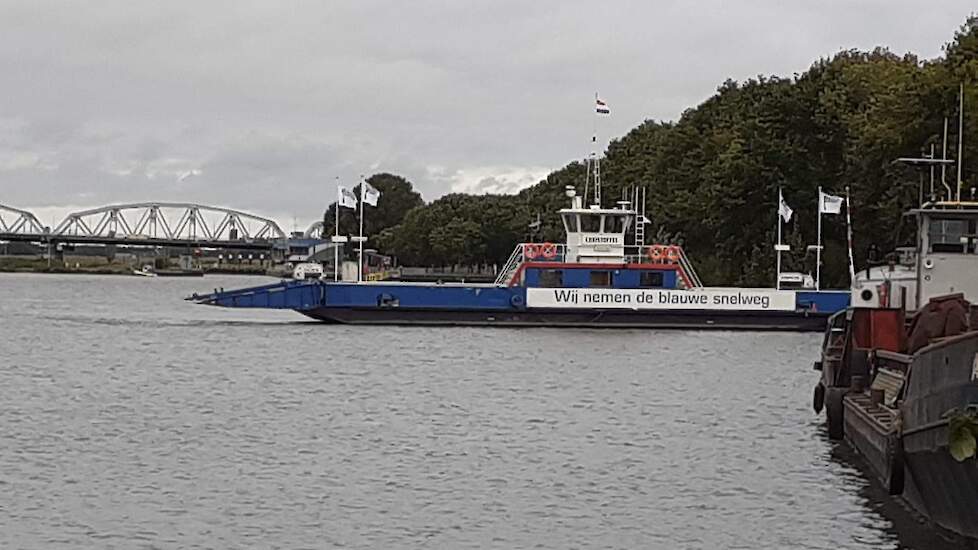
<point x="551" y="278"/>
<point x="952" y="236"/>
<point x="591" y="223"/>
<point x="571" y="224"/>
<point x="614" y="223"/>
<point x="651" y="279"/>
<point x="600" y="278"/>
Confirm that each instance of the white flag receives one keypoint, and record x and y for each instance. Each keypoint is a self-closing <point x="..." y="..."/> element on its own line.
<point x="346" y="198"/>
<point x="829" y="204"/>
<point x="370" y="194"/>
<point x="784" y="210"/>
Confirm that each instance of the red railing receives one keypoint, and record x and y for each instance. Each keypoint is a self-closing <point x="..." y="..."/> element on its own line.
<point x="663" y="257"/>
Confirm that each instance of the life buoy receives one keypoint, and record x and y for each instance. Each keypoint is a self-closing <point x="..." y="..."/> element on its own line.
<point x="531" y="251"/>
<point x="835" y="412"/>
<point x="672" y="254"/>
<point x="548" y="250"/>
<point x="656" y="252"/>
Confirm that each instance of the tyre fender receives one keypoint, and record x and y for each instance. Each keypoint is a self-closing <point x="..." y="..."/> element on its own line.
<point x="818" y="397"/>
<point x="834" y="412"/>
<point x="894" y="464"/>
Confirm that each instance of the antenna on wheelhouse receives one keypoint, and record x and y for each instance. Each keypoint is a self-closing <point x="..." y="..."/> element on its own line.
<point x="930" y="160"/>
<point x="593" y="174"/>
<point x="932" y="156"/>
<point x="960" y="137"/>
<point x="597" y="180"/>
<point x="944" y="159"/>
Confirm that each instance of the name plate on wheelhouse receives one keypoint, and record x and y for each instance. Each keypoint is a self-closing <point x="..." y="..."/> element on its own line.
<point x="729" y="299"/>
<point x="601" y="239"/>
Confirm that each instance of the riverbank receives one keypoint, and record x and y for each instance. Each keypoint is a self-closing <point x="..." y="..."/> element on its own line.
<point x="103" y="267"/>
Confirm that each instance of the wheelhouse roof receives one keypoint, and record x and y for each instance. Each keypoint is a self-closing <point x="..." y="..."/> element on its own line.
<point x="595" y="211"/>
<point x="947" y="209"/>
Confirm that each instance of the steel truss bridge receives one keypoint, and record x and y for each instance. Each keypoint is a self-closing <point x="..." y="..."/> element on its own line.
<point x="16" y="221"/>
<point x="315" y="231"/>
<point x="174" y="224"/>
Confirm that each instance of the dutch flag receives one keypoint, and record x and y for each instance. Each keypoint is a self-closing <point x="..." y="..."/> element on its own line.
<point x="602" y="107"/>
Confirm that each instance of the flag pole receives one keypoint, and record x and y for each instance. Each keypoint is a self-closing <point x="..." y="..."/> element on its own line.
<point x="818" y="248"/>
<point x="594" y="125"/>
<point x="777" y="281"/>
<point x="336" y="244"/>
<point x="594" y="155"/>
<point x="360" y="253"/>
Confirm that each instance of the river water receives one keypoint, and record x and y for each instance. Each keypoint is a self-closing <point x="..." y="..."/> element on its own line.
<point x="132" y="419"/>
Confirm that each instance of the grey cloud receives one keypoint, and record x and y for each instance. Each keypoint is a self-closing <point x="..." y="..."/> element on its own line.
<point x="118" y="100"/>
<point x="499" y="185"/>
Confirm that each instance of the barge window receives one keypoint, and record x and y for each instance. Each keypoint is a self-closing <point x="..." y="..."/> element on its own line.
<point x="651" y="279"/>
<point x="591" y="223"/>
<point x="551" y="278"/>
<point x="952" y="236"/>
<point x="600" y="278"/>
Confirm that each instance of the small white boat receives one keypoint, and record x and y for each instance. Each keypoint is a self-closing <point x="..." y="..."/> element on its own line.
<point x="308" y="270"/>
<point x="146" y="271"/>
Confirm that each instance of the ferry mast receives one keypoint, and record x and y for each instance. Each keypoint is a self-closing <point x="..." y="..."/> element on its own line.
<point x="593" y="164"/>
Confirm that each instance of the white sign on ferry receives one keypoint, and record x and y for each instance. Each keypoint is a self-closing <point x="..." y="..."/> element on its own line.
<point x="610" y="240"/>
<point x="726" y="299"/>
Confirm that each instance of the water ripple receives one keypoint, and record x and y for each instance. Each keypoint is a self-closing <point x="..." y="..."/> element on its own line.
<point x="133" y="419"/>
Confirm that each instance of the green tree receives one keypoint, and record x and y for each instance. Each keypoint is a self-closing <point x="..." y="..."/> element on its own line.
<point x="397" y="198"/>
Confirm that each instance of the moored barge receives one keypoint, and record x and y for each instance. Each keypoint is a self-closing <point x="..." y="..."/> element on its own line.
<point x="899" y="370"/>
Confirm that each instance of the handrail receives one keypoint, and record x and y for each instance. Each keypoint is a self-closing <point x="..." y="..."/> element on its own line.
<point x="894" y="356"/>
<point x="511" y="265"/>
<point x="688" y="268"/>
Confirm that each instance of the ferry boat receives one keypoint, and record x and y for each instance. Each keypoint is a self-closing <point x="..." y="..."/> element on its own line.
<point x="593" y="279"/>
<point x="899" y="369"/>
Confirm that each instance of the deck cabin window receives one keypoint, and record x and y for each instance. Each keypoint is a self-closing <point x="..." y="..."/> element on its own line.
<point x="591" y="223"/>
<point x="651" y="279"/>
<point x="952" y="236"/>
<point x="600" y="278"/>
<point x="551" y="278"/>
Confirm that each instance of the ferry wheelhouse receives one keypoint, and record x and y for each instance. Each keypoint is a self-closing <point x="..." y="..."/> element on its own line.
<point x="595" y="255"/>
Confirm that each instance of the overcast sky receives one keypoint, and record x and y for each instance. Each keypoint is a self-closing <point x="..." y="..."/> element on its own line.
<point x="261" y="105"/>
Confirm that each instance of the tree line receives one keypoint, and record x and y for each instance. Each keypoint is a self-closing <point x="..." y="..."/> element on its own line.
<point x="712" y="176"/>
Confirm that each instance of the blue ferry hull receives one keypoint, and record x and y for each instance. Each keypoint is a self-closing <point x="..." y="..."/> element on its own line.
<point x="797" y="321"/>
<point x="487" y="305"/>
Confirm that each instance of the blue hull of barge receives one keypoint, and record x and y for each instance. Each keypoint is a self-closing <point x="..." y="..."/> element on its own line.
<point x="486" y="305"/>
